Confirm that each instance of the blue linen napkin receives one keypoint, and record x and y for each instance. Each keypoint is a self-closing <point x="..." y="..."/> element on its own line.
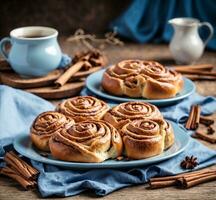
<point x="19" y="108"/>
<point x="65" y="61"/>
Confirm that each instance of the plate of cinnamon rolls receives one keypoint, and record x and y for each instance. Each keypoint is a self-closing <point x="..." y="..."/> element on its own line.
<point x="137" y="80"/>
<point x="84" y="132"/>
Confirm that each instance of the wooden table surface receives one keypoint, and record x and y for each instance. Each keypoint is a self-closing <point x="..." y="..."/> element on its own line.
<point x="10" y="190"/>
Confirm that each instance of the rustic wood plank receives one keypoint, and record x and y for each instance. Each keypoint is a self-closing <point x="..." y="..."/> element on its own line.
<point x="10" y="190"/>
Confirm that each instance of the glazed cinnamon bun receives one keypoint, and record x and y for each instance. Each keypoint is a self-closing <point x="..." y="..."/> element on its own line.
<point x="87" y="141"/>
<point x="123" y="113"/>
<point x="136" y="78"/>
<point x="82" y="108"/>
<point x="46" y="124"/>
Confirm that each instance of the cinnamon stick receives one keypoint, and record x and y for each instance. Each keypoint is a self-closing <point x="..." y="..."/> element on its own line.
<point x="197" y="72"/>
<point x="194" y="118"/>
<point x="186" y="174"/>
<point x="27" y="184"/>
<point x="162" y="184"/>
<point x="190" y="182"/>
<point x="206" y="137"/>
<point x="195" y="77"/>
<point x="190" y="118"/>
<point x="185" y="180"/>
<point x="20" y="166"/>
<point x="195" y="67"/>
<point x="69" y="73"/>
<point x="206" y="120"/>
<point x="197" y="117"/>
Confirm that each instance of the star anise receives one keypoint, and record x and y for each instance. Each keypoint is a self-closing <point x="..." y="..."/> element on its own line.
<point x="189" y="162"/>
<point x="210" y="130"/>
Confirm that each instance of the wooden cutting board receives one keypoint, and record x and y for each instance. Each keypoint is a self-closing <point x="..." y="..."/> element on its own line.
<point x="14" y="80"/>
<point x="44" y="86"/>
<point x="50" y="92"/>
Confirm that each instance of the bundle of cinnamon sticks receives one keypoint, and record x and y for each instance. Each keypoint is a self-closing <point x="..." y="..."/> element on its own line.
<point x="194" y="122"/>
<point x="82" y="61"/>
<point x="184" y="180"/>
<point x="197" y="72"/>
<point x="194" y="118"/>
<point x="20" y="171"/>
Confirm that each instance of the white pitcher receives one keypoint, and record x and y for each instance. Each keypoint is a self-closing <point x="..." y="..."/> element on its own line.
<point x="186" y="45"/>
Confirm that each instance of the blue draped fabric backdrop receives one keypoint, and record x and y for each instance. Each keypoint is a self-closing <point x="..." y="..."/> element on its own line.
<point x="146" y="20"/>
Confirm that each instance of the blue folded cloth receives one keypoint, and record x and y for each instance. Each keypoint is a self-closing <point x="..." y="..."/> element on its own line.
<point x="65" y="61"/>
<point x="178" y="112"/>
<point x="19" y="108"/>
<point x="146" y="21"/>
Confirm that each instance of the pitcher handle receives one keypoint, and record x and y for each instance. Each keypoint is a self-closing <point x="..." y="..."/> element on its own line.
<point x="211" y="31"/>
<point x="2" y="47"/>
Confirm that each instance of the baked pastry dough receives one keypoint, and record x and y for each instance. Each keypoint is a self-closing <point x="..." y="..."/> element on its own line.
<point x="125" y="112"/>
<point x="145" y="138"/>
<point x="169" y="135"/>
<point x="46" y="124"/>
<point x="88" y="141"/>
<point x="82" y="108"/>
<point x="136" y="78"/>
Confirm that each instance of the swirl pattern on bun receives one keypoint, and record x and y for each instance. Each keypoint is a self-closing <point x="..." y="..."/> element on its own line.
<point x="136" y="78"/>
<point x="45" y="125"/>
<point x="145" y="138"/>
<point x="87" y="141"/>
<point x="125" y="112"/>
<point x="82" y="108"/>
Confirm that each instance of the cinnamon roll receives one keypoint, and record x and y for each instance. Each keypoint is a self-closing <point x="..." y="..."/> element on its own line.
<point x="144" y="138"/>
<point x="136" y="78"/>
<point x="123" y="113"/>
<point x="87" y="141"/>
<point x="123" y="78"/>
<point x="46" y="124"/>
<point x="82" y="108"/>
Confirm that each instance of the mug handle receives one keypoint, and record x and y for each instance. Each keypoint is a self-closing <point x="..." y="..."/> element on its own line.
<point x="211" y="31"/>
<point x="2" y="47"/>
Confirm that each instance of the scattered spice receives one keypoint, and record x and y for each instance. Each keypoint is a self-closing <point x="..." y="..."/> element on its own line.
<point x="189" y="162"/>
<point x="210" y="130"/>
